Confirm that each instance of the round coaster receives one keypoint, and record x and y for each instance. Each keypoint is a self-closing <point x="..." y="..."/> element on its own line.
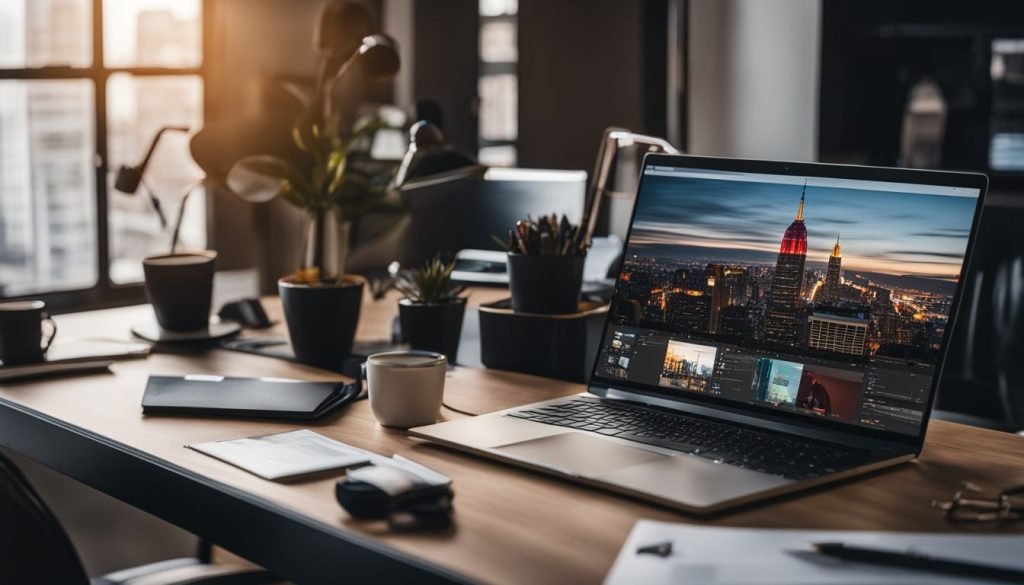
<point x="152" y="331"/>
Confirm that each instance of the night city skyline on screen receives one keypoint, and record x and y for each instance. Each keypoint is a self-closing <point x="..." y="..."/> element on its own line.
<point x="831" y="265"/>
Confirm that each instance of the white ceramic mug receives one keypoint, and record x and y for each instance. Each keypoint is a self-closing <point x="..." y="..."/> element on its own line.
<point x="406" y="387"/>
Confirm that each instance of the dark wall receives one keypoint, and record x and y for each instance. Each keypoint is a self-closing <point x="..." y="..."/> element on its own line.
<point x="447" y="57"/>
<point x="581" y="69"/>
<point x="874" y="51"/>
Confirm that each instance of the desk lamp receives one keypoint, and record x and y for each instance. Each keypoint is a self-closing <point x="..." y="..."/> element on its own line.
<point x="611" y="163"/>
<point x="130" y="177"/>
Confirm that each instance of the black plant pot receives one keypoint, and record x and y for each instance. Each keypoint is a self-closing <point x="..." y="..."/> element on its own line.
<point x="548" y="285"/>
<point x="322" y="319"/>
<point x="433" y="326"/>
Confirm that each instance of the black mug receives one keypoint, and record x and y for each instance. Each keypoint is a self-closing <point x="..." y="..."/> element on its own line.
<point x="21" y="332"/>
<point x="180" y="288"/>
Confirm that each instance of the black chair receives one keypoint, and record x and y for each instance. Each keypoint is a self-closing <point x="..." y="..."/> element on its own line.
<point x="35" y="549"/>
<point x="983" y="378"/>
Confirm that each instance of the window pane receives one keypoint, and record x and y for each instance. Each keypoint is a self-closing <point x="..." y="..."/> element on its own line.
<point x="137" y="108"/>
<point x="152" y="33"/>
<point x="498" y="42"/>
<point x="498" y="7"/>
<point x="499" y="113"/>
<point x="1006" y="151"/>
<point x="497" y="156"/>
<point x="38" y="33"/>
<point x="47" y="186"/>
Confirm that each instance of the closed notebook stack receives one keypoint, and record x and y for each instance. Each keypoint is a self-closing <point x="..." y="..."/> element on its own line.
<point x="275" y="398"/>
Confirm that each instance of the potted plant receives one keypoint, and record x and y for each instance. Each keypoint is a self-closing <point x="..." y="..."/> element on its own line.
<point x="545" y="265"/>
<point x="432" y="309"/>
<point x="321" y="303"/>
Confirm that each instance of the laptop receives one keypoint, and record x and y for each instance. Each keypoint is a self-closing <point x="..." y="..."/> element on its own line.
<point x="775" y="326"/>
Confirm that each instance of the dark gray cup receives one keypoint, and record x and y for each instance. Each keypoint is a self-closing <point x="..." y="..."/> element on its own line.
<point x="180" y="288"/>
<point x="21" y="332"/>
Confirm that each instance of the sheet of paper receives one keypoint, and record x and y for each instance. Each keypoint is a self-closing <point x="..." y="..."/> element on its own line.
<point x="285" y="455"/>
<point x="727" y="556"/>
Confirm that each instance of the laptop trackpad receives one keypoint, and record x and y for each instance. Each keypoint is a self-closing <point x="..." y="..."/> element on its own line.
<point x="578" y="454"/>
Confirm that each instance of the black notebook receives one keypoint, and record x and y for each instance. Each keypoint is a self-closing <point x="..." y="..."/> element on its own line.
<point x="245" y="397"/>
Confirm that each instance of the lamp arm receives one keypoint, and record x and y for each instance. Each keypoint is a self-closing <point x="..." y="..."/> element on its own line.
<point x="599" y="181"/>
<point x="181" y="212"/>
<point x="156" y="139"/>
<point x="612" y="140"/>
<point x="328" y="105"/>
<point x="652" y="141"/>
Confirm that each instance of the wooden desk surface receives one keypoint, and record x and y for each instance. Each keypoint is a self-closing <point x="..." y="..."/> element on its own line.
<point x="512" y="526"/>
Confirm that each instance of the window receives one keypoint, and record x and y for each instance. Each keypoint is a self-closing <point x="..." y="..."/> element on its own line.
<point x="498" y="83"/>
<point x="84" y="86"/>
<point x="1006" y="146"/>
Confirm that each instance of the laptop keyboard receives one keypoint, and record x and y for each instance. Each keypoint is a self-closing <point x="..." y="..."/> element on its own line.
<point x="787" y="456"/>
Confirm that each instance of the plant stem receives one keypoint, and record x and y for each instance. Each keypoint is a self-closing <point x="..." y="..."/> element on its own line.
<point x="320" y="223"/>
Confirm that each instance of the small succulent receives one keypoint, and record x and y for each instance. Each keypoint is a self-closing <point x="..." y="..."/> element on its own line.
<point x="430" y="284"/>
<point x="546" y="236"/>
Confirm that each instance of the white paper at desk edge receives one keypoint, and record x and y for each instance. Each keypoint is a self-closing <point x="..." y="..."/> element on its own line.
<point x="722" y="556"/>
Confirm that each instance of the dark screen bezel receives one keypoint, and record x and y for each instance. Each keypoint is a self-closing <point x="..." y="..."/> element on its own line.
<point x="977" y="181"/>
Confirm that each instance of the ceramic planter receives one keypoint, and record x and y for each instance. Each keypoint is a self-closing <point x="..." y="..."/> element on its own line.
<point x="433" y="326"/>
<point x="322" y="319"/>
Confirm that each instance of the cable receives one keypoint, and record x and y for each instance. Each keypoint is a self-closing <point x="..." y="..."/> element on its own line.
<point x="155" y="202"/>
<point x="458" y="410"/>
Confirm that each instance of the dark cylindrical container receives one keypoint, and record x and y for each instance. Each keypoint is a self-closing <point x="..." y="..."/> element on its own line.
<point x="180" y="288"/>
<point x="548" y="285"/>
<point x="322" y="319"/>
<point x="21" y="335"/>
<point x="433" y="326"/>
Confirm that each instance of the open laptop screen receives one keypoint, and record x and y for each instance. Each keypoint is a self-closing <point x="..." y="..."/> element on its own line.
<point x="822" y="297"/>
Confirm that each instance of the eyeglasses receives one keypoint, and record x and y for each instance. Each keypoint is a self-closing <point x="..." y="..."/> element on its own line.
<point x="971" y="504"/>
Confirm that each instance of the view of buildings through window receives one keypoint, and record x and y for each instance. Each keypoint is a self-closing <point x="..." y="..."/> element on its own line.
<point x="49" y="148"/>
<point x="499" y="82"/>
<point x="1006" y="151"/>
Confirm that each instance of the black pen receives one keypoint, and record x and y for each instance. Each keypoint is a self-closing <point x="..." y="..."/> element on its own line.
<point x="918" y="561"/>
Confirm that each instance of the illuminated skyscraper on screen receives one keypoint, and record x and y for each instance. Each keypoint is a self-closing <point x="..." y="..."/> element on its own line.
<point x="781" y="314"/>
<point x="829" y="293"/>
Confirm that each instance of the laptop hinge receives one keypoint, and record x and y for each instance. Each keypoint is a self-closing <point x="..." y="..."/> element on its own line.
<point x="833" y="436"/>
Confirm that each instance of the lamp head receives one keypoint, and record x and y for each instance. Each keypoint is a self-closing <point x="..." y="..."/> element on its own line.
<point x="377" y="57"/>
<point x="423" y="134"/>
<point x="128" y="179"/>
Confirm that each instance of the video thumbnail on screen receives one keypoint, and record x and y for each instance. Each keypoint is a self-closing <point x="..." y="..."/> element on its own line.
<point x="688" y="366"/>
<point x="815" y="389"/>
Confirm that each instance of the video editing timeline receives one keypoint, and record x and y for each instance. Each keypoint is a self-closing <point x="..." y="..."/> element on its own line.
<point x="881" y="396"/>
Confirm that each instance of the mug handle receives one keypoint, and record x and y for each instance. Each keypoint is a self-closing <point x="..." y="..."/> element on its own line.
<point x="53" y="333"/>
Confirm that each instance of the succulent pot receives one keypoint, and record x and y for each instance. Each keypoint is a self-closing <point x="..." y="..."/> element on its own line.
<point x="322" y="318"/>
<point x="433" y="326"/>
<point x="548" y="285"/>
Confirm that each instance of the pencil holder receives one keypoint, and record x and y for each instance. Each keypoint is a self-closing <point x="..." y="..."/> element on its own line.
<point x="547" y="285"/>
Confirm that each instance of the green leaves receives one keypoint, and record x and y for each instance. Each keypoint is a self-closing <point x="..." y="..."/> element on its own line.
<point x="262" y="177"/>
<point x="430" y="284"/>
<point x="329" y="183"/>
<point x="336" y="165"/>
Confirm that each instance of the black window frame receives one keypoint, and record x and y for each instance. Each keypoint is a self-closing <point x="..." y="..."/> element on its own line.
<point x="105" y="293"/>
